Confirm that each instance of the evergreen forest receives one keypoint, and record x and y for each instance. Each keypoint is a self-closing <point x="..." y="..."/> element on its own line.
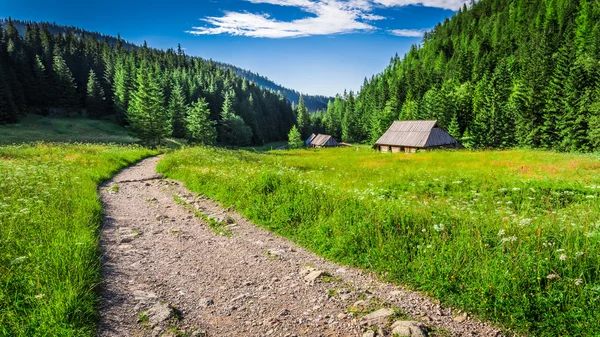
<point x="154" y="92"/>
<point x="498" y="74"/>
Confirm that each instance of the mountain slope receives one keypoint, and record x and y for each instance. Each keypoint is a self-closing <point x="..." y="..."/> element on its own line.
<point x="501" y="73"/>
<point x="312" y="102"/>
<point x="62" y="71"/>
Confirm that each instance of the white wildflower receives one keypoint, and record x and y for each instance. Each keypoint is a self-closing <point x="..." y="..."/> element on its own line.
<point x="509" y="239"/>
<point x="516" y="189"/>
<point x="578" y="281"/>
<point x="501" y="232"/>
<point x="438" y="228"/>
<point x="563" y="257"/>
<point x="553" y="276"/>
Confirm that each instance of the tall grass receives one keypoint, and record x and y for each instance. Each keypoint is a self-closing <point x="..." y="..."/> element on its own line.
<point x="513" y="236"/>
<point x="49" y="219"/>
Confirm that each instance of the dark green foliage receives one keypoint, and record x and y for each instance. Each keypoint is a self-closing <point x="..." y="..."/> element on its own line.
<point x="303" y="118"/>
<point x="49" y="72"/>
<point x="232" y="129"/>
<point x="65" y="90"/>
<point x="512" y="72"/>
<point x="148" y="118"/>
<point x="200" y="129"/>
<point x="94" y="101"/>
<point x="177" y="111"/>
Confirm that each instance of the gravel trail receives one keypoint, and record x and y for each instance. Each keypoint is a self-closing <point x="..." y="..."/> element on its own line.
<point x="177" y="264"/>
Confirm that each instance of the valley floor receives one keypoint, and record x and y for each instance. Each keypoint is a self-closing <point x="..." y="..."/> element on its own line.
<point x="178" y="263"/>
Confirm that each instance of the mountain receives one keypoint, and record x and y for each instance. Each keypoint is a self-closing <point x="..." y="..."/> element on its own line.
<point x="64" y="71"/>
<point x="499" y="73"/>
<point x="312" y="102"/>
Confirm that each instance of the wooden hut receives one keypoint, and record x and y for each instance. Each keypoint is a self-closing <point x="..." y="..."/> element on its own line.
<point x="410" y="136"/>
<point x="321" y="141"/>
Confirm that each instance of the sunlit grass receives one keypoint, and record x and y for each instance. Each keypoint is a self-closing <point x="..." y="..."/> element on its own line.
<point x="510" y="235"/>
<point x="49" y="219"/>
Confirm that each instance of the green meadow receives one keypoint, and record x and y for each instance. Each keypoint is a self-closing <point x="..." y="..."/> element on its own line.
<point x="50" y="215"/>
<point x="511" y="236"/>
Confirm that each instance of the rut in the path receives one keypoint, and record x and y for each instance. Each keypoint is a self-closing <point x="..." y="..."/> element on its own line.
<point x="165" y="271"/>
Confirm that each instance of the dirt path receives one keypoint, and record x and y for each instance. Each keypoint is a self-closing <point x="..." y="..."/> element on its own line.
<point x="167" y="272"/>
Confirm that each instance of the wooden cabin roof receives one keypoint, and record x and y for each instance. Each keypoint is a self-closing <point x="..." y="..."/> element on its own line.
<point x="322" y="140"/>
<point x="419" y="134"/>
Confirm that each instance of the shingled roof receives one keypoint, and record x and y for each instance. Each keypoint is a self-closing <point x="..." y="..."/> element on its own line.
<point x="418" y="134"/>
<point x="321" y="141"/>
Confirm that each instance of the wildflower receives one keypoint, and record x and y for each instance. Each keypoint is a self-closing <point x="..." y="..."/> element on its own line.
<point x="563" y="257"/>
<point x="553" y="276"/>
<point x="516" y="189"/>
<point x="578" y="253"/>
<point x="501" y="232"/>
<point x="509" y="239"/>
<point x="532" y="189"/>
<point x="560" y="250"/>
<point x="438" y="228"/>
<point x="578" y="281"/>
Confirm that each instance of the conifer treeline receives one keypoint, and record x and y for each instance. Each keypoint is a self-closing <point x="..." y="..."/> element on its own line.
<point x="501" y="73"/>
<point x="66" y="74"/>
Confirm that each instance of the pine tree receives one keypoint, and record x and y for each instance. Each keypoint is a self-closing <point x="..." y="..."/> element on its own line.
<point x="295" y="139"/>
<point x="232" y="128"/>
<point x="148" y="118"/>
<point x="200" y="129"/>
<point x="121" y="89"/>
<point x="41" y="86"/>
<point x="8" y="109"/>
<point x="94" y="100"/>
<point x="303" y="119"/>
<point x="454" y="128"/>
<point x="177" y="111"/>
<point x="66" y="95"/>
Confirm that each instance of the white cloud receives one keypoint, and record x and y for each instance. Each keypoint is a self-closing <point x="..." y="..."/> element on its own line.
<point x="328" y="17"/>
<point x="408" y="32"/>
<point x="445" y="4"/>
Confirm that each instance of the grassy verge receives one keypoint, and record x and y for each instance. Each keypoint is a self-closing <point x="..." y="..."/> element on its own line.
<point x="513" y="236"/>
<point x="33" y="128"/>
<point x="49" y="219"/>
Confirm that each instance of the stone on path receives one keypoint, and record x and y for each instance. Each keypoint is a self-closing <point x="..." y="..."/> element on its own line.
<point x="379" y="317"/>
<point x="409" y="329"/>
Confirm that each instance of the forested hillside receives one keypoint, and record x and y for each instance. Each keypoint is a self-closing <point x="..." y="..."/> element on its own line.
<point x="312" y="102"/>
<point x="499" y="73"/>
<point x="68" y="73"/>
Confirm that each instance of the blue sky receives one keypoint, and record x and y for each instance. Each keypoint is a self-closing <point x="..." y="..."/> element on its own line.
<point x="313" y="46"/>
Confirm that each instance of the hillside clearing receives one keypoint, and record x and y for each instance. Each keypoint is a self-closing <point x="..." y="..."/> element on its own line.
<point x="509" y="235"/>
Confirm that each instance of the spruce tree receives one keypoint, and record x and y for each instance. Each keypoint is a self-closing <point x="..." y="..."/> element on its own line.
<point x="148" y="119"/>
<point x="232" y="128"/>
<point x="303" y="119"/>
<point x="121" y="89"/>
<point x="454" y="128"/>
<point x="66" y="95"/>
<point x="94" y="100"/>
<point x="200" y="129"/>
<point x="177" y="111"/>
<point x="295" y="138"/>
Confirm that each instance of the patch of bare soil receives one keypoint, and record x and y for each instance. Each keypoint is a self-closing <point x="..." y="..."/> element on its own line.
<point x="178" y="264"/>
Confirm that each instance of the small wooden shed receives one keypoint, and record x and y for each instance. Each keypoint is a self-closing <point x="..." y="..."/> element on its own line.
<point x="321" y="141"/>
<point x="410" y="136"/>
